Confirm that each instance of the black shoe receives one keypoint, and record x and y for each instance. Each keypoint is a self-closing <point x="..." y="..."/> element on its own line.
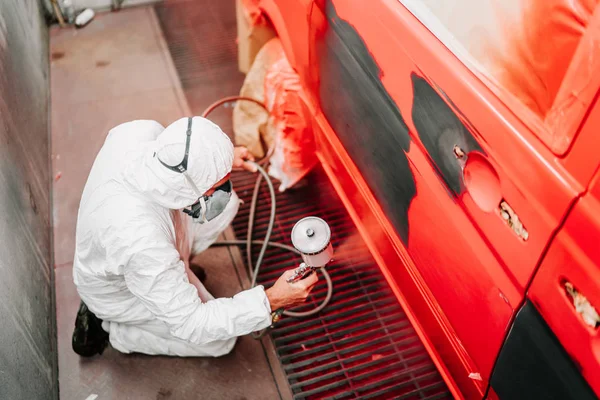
<point x="198" y="271"/>
<point x="89" y="338"/>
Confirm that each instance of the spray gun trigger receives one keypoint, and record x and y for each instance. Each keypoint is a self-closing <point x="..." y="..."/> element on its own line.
<point x="300" y="273"/>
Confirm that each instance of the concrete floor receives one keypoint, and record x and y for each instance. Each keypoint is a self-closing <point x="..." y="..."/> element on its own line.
<point x="115" y="70"/>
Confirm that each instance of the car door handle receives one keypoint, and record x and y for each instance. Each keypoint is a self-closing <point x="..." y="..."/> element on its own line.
<point x="481" y="180"/>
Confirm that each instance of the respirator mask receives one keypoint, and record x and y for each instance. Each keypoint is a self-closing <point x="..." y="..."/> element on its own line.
<point x="206" y="208"/>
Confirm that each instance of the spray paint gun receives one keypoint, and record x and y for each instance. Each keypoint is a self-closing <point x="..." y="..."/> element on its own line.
<point x="311" y="236"/>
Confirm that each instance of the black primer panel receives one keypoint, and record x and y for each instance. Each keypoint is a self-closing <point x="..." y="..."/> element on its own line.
<point x="533" y="364"/>
<point x="365" y="118"/>
<point x="440" y="130"/>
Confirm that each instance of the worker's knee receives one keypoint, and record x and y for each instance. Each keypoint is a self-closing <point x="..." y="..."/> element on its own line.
<point x="224" y="347"/>
<point x="146" y="340"/>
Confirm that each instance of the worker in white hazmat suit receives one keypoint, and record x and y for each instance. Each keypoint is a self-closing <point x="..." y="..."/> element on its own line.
<point x="133" y="244"/>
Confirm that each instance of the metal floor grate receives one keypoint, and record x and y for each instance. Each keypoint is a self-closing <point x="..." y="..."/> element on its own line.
<point x="361" y="345"/>
<point x="201" y="37"/>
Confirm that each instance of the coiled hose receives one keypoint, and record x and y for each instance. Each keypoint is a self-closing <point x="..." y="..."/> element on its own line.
<point x="265" y="243"/>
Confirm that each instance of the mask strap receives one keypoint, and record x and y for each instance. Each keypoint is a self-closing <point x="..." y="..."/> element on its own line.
<point x="203" y="209"/>
<point x="193" y="185"/>
<point x="182" y="166"/>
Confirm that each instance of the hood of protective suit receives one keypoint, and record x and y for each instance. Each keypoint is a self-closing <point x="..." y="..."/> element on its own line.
<point x="210" y="160"/>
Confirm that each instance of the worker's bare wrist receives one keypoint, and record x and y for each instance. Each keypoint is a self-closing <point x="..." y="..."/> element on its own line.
<point x="273" y="301"/>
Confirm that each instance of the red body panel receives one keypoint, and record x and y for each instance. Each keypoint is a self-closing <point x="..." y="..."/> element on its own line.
<point x="464" y="272"/>
<point x="574" y="256"/>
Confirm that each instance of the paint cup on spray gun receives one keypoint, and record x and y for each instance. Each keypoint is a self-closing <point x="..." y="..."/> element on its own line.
<point x="311" y="236"/>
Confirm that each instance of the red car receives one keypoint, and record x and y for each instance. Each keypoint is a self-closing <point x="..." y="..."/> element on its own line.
<point x="463" y="139"/>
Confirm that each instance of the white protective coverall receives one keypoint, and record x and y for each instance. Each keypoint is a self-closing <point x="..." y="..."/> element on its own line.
<point x="133" y="243"/>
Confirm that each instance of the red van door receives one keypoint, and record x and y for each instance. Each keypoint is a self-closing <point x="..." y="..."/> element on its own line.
<point x="468" y="194"/>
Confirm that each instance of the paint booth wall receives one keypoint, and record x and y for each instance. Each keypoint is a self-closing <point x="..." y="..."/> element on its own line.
<point x="28" y="356"/>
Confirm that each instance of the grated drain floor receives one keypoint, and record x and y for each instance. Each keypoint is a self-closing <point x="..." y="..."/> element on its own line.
<point x="201" y="37"/>
<point x="361" y="345"/>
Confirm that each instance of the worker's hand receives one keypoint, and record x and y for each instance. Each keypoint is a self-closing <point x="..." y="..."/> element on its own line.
<point x="241" y="156"/>
<point x="284" y="294"/>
